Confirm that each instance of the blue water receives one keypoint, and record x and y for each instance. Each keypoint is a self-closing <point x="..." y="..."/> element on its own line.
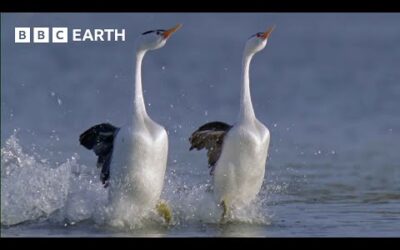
<point x="327" y="86"/>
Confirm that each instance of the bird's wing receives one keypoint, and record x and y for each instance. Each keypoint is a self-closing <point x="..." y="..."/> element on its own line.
<point x="100" y="139"/>
<point x="210" y="136"/>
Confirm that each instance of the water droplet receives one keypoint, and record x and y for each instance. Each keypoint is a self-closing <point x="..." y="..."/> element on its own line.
<point x="163" y="67"/>
<point x="52" y="93"/>
<point x="205" y="113"/>
<point x="275" y="125"/>
<point x="171" y="105"/>
<point x="59" y="101"/>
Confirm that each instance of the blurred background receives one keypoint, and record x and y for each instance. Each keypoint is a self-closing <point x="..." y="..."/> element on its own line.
<point x="327" y="86"/>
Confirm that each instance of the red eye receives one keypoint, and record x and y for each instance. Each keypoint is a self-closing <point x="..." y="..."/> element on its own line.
<point x="258" y="35"/>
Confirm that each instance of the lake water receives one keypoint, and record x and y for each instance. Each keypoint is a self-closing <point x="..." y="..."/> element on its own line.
<point x="327" y="86"/>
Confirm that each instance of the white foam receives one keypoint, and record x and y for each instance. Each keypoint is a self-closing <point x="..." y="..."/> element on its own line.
<point x="33" y="188"/>
<point x="30" y="189"/>
<point x="197" y="204"/>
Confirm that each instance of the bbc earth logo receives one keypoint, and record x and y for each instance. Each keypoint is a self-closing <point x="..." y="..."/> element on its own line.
<point x="62" y="35"/>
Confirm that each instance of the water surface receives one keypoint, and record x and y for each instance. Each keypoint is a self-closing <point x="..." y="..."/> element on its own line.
<point x="327" y="86"/>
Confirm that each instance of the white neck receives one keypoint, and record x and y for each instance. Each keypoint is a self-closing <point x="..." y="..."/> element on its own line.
<point x="246" y="107"/>
<point x="139" y="107"/>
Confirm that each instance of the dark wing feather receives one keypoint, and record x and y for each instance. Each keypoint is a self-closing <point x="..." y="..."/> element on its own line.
<point x="210" y="136"/>
<point x="100" y="139"/>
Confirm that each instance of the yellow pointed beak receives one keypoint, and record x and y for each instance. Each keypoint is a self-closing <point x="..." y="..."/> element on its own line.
<point x="266" y="34"/>
<point x="169" y="32"/>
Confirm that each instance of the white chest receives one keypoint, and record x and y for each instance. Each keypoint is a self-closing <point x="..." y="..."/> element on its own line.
<point x="240" y="170"/>
<point x="139" y="162"/>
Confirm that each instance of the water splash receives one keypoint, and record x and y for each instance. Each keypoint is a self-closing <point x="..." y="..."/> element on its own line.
<point x="196" y="204"/>
<point x="32" y="188"/>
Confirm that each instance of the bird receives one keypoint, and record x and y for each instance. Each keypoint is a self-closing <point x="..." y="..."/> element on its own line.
<point x="237" y="154"/>
<point x="133" y="158"/>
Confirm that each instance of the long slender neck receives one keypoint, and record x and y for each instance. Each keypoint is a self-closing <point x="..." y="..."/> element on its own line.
<point x="246" y="107"/>
<point x="139" y="108"/>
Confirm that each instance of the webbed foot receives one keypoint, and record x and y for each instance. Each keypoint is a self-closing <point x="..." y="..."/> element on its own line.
<point x="224" y="212"/>
<point x="164" y="211"/>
